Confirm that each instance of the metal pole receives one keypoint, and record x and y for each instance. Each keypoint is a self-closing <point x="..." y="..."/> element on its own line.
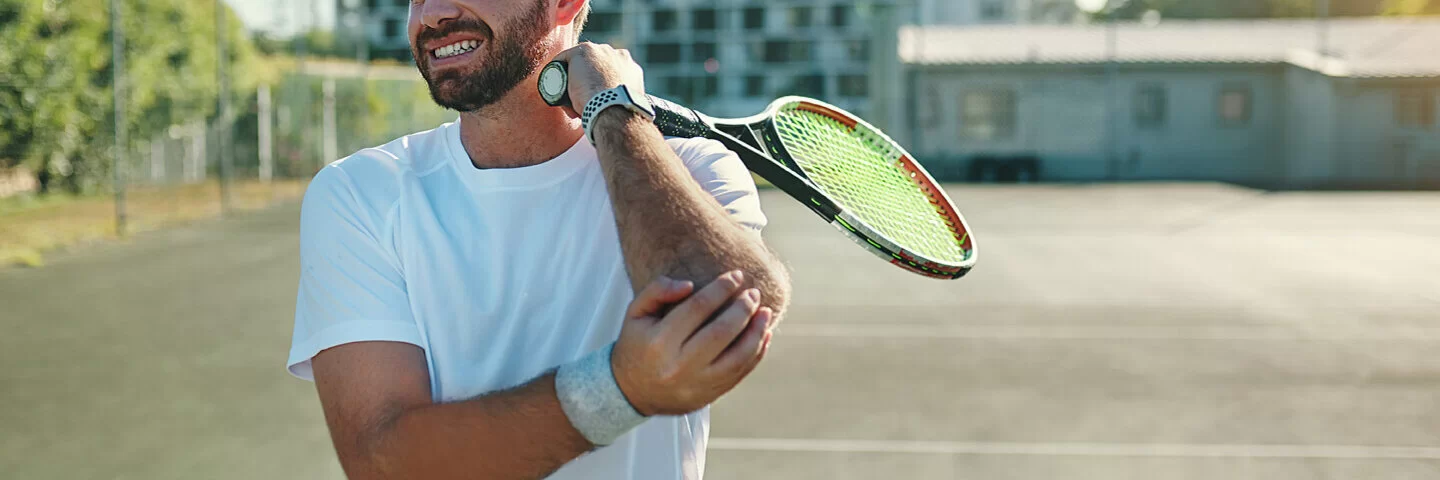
<point x="331" y="149"/>
<point x="117" y="54"/>
<point x="322" y="158"/>
<point x="222" y="130"/>
<point x="267" y="154"/>
<point x="1322" y="27"/>
<point x="1112" y="96"/>
<point x="363" y="31"/>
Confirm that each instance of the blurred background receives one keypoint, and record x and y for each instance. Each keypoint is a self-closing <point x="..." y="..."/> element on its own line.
<point x="1208" y="231"/>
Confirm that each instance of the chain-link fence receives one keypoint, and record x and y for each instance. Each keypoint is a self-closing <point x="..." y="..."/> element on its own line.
<point x="204" y="123"/>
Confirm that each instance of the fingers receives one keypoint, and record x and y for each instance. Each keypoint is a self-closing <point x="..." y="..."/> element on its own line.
<point x="682" y="321"/>
<point x="745" y="353"/>
<point x="713" y="338"/>
<point x="659" y="294"/>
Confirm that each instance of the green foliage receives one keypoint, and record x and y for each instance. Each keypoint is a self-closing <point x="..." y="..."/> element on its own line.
<point x="1412" y="7"/>
<point x="56" y="103"/>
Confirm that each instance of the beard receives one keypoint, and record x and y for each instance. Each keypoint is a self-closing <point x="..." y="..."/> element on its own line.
<point x="503" y="62"/>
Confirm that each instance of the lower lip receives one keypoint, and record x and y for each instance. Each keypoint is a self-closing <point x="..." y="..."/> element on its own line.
<point x="453" y="59"/>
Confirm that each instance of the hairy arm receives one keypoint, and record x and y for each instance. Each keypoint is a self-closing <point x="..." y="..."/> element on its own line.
<point x="668" y="224"/>
<point x="376" y="397"/>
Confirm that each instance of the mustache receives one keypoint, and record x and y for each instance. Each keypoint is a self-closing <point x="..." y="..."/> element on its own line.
<point x="464" y="25"/>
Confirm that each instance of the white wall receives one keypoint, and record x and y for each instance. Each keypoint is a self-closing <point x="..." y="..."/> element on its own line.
<point x="1374" y="148"/>
<point x="1062" y="117"/>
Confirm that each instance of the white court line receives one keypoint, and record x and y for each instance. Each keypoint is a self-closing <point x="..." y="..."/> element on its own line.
<point x="1362" y="452"/>
<point x="1109" y="332"/>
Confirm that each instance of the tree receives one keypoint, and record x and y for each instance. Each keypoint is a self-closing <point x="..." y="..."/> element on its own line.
<point x="1412" y="7"/>
<point x="56" y="113"/>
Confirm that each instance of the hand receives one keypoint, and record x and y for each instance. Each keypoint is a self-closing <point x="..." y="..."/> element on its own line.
<point x="594" y="68"/>
<point x="679" y="363"/>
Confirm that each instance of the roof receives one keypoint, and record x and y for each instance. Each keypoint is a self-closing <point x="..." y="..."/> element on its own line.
<point x="1358" y="47"/>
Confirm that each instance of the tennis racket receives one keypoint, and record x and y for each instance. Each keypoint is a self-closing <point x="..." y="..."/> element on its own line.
<point x="842" y="168"/>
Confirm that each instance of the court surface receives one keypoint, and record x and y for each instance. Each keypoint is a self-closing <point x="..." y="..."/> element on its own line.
<point x="1148" y="331"/>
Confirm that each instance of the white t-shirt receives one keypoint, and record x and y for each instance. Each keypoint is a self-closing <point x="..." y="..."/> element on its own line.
<point x="499" y="275"/>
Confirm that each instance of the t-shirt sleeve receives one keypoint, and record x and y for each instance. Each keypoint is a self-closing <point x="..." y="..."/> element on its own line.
<point x="720" y="172"/>
<point x="351" y="285"/>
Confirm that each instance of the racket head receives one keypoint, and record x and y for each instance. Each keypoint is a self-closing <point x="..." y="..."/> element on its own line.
<point x="887" y="202"/>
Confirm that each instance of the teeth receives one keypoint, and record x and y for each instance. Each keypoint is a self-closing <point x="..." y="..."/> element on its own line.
<point x="456" y="48"/>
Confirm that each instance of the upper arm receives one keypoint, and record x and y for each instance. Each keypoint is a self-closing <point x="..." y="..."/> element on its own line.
<point x="363" y="387"/>
<point x="721" y="174"/>
<point x="351" y="287"/>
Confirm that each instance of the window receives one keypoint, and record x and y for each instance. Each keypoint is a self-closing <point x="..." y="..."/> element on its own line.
<point x="755" y="86"/>
<point x="799" y="17"/>
<point x="1235" y="105"/>
<point x="392" y="28"/>
<point x="662" y="53"/>
<point x="784" y="51"/>
<point x="992" y="10"/>
<point x="840" y="15"/>
<point x="812" y="85"/>
<point x="854" y="86"/>
<point x="988" y="114"/>
<point x="690" y="89"/>
<point x="755" y="18"/>
<point x="703" y="19"/>
<point x="663" y="20"/>
<point x="1415" y="108"/>
<point x="1150" y="103"/>
<point x="702" y="51"/>
<point x="603" y="22"/>
<point x="858" y="50"/>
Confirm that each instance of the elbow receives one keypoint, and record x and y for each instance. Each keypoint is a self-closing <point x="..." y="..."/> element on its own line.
<point x="773" y="281"/>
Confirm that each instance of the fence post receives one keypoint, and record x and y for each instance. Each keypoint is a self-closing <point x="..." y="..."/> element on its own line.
<point x="267" y="155"/>
<point x="331" y="150"/>
<point x="117" y="53"/>
<point x="223" y="130"/>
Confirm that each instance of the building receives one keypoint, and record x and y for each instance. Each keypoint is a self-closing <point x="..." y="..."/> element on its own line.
<point x="983" y="12"/>
<point x="384" y="25"/>
<point x="1272" y="103"/>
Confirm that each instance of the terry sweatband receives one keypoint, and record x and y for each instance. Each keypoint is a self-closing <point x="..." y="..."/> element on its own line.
<point x="592" y="399"/>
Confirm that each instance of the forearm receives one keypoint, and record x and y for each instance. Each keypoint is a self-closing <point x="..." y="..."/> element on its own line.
<point x="521" y="433"/>
<point x="670" y="226"/>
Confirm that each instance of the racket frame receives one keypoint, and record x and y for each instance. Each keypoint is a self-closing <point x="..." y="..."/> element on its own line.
<point x="756" y="140"/>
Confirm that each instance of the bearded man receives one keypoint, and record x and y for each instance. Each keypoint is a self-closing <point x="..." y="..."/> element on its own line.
<point x="525" y="293"/>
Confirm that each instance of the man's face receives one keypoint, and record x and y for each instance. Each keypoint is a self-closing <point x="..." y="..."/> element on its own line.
<point x="471" y="62"/>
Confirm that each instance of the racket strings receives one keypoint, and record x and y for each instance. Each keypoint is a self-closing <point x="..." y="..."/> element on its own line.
<point x="862" y="172"/>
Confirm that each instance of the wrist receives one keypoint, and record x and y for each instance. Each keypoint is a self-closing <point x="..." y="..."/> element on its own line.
<point x="603" y="104"/>
<point x="592" y="399"/>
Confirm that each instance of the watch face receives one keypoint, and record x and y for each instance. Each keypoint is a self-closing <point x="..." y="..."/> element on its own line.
<point x="553" y="83"/>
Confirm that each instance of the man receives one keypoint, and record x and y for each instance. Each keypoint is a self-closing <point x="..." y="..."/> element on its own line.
<point x="500" y="298"/>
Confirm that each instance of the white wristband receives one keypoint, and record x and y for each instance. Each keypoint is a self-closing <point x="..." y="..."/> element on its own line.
<point x="592" y="400"/>
<point x="616" y="97"/>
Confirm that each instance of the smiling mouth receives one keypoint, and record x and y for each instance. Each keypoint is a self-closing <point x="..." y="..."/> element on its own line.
<point x="457" y="48"/>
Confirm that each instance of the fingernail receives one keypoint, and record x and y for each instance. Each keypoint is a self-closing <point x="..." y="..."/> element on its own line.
<point x="738" y="276"/>
<point x="753" y="294"/>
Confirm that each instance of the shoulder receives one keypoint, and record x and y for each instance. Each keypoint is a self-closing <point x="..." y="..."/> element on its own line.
<point x="373" y="178"/>
<point x="698" y="151"/>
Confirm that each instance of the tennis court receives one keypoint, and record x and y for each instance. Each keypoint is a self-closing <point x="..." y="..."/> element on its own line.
<point x="1165" y="331"/>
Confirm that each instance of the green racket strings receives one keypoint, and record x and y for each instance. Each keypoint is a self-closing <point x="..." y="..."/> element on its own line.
<point x="857" y="171"/>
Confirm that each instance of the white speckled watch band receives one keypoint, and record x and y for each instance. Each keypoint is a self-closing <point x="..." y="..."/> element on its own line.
<point x="592" y="399"/>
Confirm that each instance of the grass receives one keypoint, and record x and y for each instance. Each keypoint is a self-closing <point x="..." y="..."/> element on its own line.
<point x="31" y="226"/>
